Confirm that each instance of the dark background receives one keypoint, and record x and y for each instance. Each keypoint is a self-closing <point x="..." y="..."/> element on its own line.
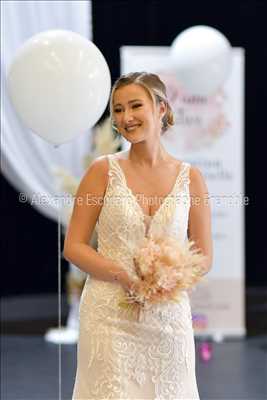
<point x="29" y="240"/>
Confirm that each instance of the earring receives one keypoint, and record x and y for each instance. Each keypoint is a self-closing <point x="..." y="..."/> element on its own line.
<point x="114" y="128"/>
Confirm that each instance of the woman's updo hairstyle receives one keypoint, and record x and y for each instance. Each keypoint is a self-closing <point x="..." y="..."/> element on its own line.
<point x="155" y="88"/>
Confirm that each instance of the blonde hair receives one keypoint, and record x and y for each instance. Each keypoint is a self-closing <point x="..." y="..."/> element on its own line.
<point x="154" y="87"/>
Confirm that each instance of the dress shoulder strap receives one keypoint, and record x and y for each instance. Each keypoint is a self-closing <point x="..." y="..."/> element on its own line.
<point x="114" y="171"/>
<point x="183" y="180"/>
<point x="186" y="172"/>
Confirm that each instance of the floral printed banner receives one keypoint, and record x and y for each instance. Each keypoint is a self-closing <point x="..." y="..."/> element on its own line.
<point x="209" y="133"/>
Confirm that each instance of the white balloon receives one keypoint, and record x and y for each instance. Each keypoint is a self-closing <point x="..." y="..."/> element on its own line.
<point x="201" y="57"/>
<point x="59" y="83"/>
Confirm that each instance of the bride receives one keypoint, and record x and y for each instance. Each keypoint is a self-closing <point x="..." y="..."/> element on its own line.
<point x="125" y="196"/>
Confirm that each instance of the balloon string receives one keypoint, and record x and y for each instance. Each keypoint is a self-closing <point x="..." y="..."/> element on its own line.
<point x="59" y="301"/>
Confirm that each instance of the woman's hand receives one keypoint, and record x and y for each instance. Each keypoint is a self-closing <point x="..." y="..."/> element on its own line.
<point x="125" y="280"/>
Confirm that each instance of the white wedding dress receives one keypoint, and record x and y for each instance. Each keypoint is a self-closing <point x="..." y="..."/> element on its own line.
<point x="121" y="355"/>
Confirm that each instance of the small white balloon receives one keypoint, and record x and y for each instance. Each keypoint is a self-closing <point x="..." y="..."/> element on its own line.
<point x="59" y="83"/>
<point x="201" y="57"/>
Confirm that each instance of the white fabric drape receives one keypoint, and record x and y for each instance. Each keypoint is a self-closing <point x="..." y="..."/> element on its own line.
<point x="27" y="160"/>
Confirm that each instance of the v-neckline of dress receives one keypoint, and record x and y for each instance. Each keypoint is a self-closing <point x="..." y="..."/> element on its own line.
<point x="143" y="214"/>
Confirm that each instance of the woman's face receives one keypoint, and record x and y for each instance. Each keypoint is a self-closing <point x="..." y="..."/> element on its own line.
<point x="135" y="115"/>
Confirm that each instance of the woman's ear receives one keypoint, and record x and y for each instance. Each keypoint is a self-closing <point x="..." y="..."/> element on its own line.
<point x="162" y="109"/>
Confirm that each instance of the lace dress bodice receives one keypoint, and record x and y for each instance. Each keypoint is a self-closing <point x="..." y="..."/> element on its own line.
<point x="122" y="223"/>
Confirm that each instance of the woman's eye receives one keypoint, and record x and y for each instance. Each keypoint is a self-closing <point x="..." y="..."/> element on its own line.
<point x="137" y="105"/>
<point x="117" y="110"/>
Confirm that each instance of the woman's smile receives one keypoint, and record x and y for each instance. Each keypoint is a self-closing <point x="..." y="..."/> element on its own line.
<point x="132" y="127"/>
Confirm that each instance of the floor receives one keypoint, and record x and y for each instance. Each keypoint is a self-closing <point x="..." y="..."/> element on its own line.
<point x="31" y="368"/>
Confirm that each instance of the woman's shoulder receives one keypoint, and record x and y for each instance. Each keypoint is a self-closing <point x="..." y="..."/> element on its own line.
<point x="180" y="162"/>
<point x="197" y="180"/>
<point x="97" y="170"/>
<point x="100" y="163"/>
<point x="196" y="177"/>
<point x="195" y="172"/>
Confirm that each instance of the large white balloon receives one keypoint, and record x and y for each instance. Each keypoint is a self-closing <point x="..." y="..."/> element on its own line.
<point x="59" y="83"/>
<point x="201" y="57"/>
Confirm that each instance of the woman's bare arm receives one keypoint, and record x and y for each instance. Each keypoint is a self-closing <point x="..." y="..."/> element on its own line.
<point x="199" y="228"/>
<point x="87" y="207"/>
